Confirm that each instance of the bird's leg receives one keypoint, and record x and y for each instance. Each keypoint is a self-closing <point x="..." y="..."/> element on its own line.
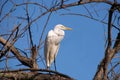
<point x="48" y="68"/>
<point x="55" y="64"/>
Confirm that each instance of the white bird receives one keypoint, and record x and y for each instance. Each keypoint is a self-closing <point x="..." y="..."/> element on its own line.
<point x="52" y="43"/>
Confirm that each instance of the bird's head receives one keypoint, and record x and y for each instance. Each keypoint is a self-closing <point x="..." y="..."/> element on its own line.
<point x="62" y="27"/>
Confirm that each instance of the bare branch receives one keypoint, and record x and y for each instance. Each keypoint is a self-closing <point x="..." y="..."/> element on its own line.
<point x="101" y="21"/>
<point x="109" y="53"/>
<point x="88" y="11"/>
<point x="29" y="28"/>
<point x="63" y="7"/>
<point x="41" y="70"/>
<point x="4" y="52"/>
<point x="110" y="26"/>
<point x="34" y="56"/>
<point x="114" y="67"/>
<point x="25" y="61"/>
<point x="7" y="14"/>
<point x="116" y="46"/>
<point x="34" y="3"/>
<point x="40" y="40"/>
<point x="3" y="6"/>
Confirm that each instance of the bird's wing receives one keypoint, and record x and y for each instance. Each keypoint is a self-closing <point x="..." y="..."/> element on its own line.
<point x="50" y="48"/>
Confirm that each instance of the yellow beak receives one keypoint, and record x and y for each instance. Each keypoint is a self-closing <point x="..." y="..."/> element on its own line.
<point x="66" y="28"/>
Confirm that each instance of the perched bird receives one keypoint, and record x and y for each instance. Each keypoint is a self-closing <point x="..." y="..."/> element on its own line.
<point x="52" y="43"/>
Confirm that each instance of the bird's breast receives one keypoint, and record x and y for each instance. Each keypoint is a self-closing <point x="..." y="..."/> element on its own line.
<point x="57" y="39"/>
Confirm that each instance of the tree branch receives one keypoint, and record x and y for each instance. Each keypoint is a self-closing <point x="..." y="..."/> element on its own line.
<point x="102" y="71"/>
<point x="14" y="40"/>
<point x="29" y="28"/>
<point x="40" y="70"/>
<point x="2" y="7"/>
<point x="116" y="46"/>
<point x="77" y="3"/>
<point x="25" y="61"/>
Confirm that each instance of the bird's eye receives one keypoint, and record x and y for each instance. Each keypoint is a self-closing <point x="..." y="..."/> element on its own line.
<point x="62" y="26"/>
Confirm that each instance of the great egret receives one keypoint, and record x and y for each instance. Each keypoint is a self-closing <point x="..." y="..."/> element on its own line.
<point x="52" y="43"/>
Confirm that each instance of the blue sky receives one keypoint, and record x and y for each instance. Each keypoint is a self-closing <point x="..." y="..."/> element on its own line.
<point x="82" y="48"/>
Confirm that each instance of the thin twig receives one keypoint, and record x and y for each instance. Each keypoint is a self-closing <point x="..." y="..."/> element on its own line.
<point x="88" y="11"/>
<point x="29" y="26"/>
<point x="34" y="3"/>
<point x="40" y="40"/>
<point x="7" y="14"/>
<point x="2" y="7"/>
<point x="78" y="14"/>
<point x="113" y="67"/>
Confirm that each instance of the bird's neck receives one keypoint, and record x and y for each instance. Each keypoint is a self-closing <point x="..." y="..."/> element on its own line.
<point x="59" y="32"/>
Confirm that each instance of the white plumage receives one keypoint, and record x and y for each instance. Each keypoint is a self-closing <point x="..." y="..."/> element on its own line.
<point x="52" y="43"/>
